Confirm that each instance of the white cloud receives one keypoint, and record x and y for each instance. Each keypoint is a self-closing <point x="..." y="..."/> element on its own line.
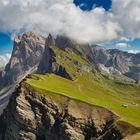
<point x="122" y="45"/>
<point x="58" y="17"/>
<point x="134" y="51"/>
<point x="63" y="17"/>
<point x="4" y="58"/>
<point x="127" y="15"/>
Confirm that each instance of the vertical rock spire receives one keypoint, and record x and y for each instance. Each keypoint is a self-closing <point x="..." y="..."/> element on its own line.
<point x="45" y="64"/>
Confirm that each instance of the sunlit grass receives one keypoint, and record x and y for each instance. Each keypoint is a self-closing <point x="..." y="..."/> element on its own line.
<point x="110" y="95"/>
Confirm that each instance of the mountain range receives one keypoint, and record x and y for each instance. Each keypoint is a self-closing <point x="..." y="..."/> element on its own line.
<point x="28" y="50"/>
<point x="116" y="61"/>
<point x="64" y="90"/>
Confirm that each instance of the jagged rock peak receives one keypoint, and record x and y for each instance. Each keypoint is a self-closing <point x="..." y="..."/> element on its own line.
<point x="27" y="52"/>
<point x="50" y="41"/>
<point x="29" y="36"/>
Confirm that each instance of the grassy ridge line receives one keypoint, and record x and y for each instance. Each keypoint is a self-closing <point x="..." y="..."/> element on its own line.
<point x="92" y="93"/>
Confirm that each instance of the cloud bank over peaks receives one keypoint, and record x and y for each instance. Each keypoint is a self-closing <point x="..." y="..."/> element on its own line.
<point x="64" y="18"/>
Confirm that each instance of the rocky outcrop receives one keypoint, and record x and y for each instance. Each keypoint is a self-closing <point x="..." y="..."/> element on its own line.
<point x="32" y="116"/>
<point x="27" y="52"/>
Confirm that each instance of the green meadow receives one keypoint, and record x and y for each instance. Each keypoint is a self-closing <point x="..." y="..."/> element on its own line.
<point x="103" y="93"/>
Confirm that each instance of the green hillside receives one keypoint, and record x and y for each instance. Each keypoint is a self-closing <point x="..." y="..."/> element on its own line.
<point x="91" y="87"/>
<point x="109" y="95"/>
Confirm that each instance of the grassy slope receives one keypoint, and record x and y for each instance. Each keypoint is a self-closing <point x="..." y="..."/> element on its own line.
<point x="108" y="96"/>
<point x="92" y="88"/>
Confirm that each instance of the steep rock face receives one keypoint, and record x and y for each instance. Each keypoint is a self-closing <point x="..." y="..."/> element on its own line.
<point x="32" y="116"/>
<point x="45" y="63"/>
<point x="26" y="55"/>
<point x="48" y="63"/>
<point x="115" y="60"/>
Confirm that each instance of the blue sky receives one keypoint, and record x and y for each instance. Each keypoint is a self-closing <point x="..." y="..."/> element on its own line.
<point x="86" y="5"/>
<point x="5" y="43"/>
<point x="89" y="4"/>
<point x="132" y="46"/>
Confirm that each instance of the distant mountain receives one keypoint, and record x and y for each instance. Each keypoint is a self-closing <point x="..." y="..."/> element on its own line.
<point x="116" y="61"/>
